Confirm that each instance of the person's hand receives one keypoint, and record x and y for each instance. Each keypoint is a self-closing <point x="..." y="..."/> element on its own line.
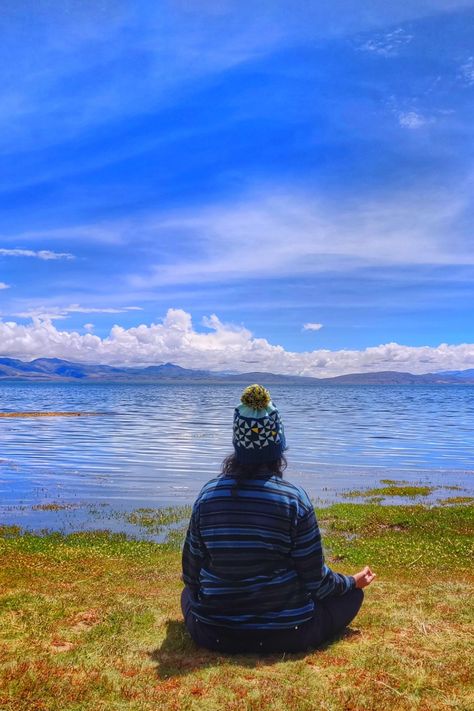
<point x="364" y="578"/>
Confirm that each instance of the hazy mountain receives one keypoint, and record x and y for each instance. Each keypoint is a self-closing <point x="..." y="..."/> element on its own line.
<point x="459" y="374"/>
<point x="393" y="377"/>
<point x="172" y="371"/>
<point x="55" y="369"/>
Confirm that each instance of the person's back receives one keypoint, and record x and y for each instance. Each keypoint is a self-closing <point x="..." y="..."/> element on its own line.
<point x="248" y="534"/>
<point x="253" y="563"/>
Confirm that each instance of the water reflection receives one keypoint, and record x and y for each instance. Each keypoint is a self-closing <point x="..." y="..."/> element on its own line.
<point x="159" y="443"/>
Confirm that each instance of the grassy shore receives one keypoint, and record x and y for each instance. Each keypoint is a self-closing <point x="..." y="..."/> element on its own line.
<point x="91" y="621"/>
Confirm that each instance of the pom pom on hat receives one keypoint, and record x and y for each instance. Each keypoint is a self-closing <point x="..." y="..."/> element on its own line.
<point x="256" y="397"/>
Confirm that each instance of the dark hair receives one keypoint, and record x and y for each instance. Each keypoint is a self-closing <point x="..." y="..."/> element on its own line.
<point x="232" y="467"/>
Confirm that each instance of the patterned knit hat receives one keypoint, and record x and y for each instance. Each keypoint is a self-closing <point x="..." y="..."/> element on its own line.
<point x="258" y="431"/>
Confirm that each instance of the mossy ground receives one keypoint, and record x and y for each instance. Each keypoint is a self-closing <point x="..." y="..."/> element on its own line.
<point x="91" y="621"/>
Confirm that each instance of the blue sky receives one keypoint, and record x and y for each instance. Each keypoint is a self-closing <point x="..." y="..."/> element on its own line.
<point x="275" y="185"/>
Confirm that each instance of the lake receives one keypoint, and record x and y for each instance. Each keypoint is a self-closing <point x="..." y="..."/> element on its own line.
<point x="156" y="445"/>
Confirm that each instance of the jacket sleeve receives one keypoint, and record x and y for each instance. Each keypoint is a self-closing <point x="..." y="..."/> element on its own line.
<point x="193" y="552"/>
<point x="308" y="557"/>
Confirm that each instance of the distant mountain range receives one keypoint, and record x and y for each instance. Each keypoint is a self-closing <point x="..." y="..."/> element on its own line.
<point x="57" y="370"/>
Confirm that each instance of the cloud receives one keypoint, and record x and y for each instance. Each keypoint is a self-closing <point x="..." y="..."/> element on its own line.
<point x="88" y="327"/>
<point x="52" y="313"/>
<point x="467" y="71"/>
<point x="45" y="254"/>
<point x="387" y="44"/>
<point x="224" y="347"/>
<point x="276" y="232"/>
<point x="130" y="49"/>
<point x="412" y="119"/>
<point x="114" y="53"/>
<point x="312" y="326"/>
<point x="3" y="285"/>
<point x="113" y="232"/>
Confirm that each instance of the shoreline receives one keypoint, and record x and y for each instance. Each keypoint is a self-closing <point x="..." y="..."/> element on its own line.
<point x="154" y="521"/>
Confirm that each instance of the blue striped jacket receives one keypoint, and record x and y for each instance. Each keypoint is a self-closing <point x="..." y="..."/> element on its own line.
<point x="253" y="555"/>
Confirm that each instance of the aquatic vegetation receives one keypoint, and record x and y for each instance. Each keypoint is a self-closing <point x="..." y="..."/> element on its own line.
<point x="457" y="500"/>
<point x="175" y="537"/>
<point x="92" y="620"/>
<point x="6" y="530"/>
<point x="155" y="520"/>
<point x="163" y="523"/>
<point x="410" y="491"/>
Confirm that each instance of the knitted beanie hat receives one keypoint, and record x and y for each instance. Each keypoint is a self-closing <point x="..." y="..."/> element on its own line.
<point x="258" y="431"/>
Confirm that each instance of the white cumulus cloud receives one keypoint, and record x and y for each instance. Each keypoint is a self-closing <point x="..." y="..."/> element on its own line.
<point x="3" y="285"/>
<point x="223" y="347"/>
<point x="312" y="326"/>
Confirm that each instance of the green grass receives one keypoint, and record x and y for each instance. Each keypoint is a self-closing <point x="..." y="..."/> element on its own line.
<point x="91" y="621"/>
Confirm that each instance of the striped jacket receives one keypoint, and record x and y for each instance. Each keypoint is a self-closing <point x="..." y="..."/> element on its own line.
<point x="253" y="555"/>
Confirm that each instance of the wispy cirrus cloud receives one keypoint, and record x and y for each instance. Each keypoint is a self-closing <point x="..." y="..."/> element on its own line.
<point x="52" y="313"/>
<point x="466" y="71"/>
<point x="132" y="47"/>
<point x="107" y="232"/>
<point x="225" y="346"/>
<point x="73" y="42"/>
<point x="386" y="44"/>
<point x="45" y="254"/>
<point x="312" y="326"/>
<point x="276" y="232"/>
<point x="412" y="119"/>
<point x="3" y="285"/>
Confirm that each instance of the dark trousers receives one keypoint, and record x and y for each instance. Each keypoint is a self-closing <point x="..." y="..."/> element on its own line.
<point x="331" y="616"/>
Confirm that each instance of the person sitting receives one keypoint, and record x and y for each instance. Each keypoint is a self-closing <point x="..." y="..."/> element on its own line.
<point x="253" y="564"/>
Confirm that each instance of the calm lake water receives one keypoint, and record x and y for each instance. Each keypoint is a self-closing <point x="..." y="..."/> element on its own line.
<point x="155" y="445"/>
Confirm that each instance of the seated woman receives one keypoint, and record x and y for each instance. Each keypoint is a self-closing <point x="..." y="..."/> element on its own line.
<point x="253" y="565"/>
